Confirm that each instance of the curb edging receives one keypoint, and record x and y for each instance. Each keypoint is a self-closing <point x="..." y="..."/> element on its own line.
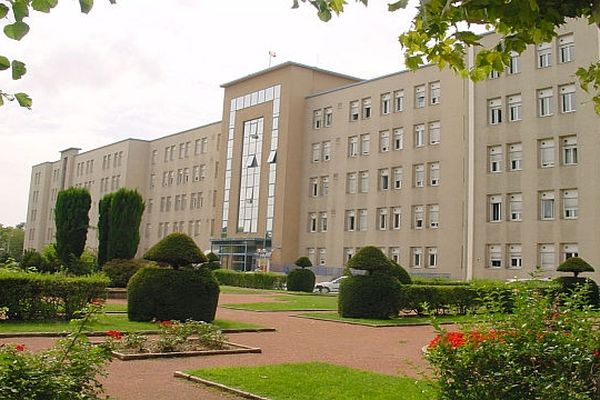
<point x="220" y="386"/>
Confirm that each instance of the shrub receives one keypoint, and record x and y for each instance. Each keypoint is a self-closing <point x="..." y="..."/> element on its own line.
<point x="72" y="220"/>
<point x="31" y="259"/>
<point x="440" y="299"/>
<point x="33" y="296"/>
<point x="370" y="259"/>
<point x="103" y="227"/>
<point x="369" y="296"/>
<point x="301" y="280"/>
<point x="575" y="265"/>
<point x="120" y="271"/>
<point x="421" y="280"/>
<point x="213" y="262"/>
<point x="570" y="283"/>
<point x="399" y="273"/>
<point x="125" y="214"/>
<point x="167" y="294"/>
<point x="303" y="262"/>
<point x="51" y="262"/>
<point x="177" y="250"/>
<point x="254" y="280"/>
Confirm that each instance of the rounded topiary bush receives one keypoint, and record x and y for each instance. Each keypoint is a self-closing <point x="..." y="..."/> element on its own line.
<point x="301" y="280"/>
<point x="168" y="294"/>
<point x="576" y="265"/>
<point x="177" y="250"/>
<point x="369" y="296"/>
<point x="570" y="283"/>
<point x="370" y="259"/>
<point x="213" y="261"/>
<point x="398" y="272"/>
<point x="120" y="271"/>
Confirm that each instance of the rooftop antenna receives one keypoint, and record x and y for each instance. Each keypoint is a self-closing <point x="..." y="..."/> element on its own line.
<point x="272" y="55"/>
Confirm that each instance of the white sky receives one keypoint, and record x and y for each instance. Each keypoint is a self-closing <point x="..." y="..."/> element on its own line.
<point x="148" y="68"/>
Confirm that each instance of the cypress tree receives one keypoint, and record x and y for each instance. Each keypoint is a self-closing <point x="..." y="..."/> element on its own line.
<point x="125" y="216"/>
<point x="72" y="220"/>
<point x="103" y="227"/>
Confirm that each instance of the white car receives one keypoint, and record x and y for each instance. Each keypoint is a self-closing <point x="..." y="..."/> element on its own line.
<point x="330" y="286"/>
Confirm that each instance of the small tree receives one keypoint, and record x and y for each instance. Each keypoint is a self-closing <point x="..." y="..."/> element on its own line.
<point x="125" y="214"/>
<point x="370" y="259"/>
<point x="303" y="262"/>
<point x="213" y="261"/>
<point x="301" y="279"/>
<point x="72" y="220"/>
<point x="103" y="227"/>
<point x="177" y="250"/>
<point x="576" y="265"/>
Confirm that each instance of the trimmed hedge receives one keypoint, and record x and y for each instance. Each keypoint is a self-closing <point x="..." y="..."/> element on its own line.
<point x="369" y="296"/>
<point x="398" y="272"/>
<point x="369" y="258"/>
<point x="438" y="297"/>
<point x="120" y="271"/>
<point x="301" y="280"/>
<point x="169" y="294"/>
<point x="255" y="280"/>
<point x="569" y="283"/>
<point x="33" y="296"/>
<point x="177" y="250"/>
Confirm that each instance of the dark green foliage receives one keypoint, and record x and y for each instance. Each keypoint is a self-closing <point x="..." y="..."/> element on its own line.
<point x="33" y="296"/>
<point x="399" y="273"/>
<point x="103" y="227"/>
<point x="421" y="280"/>
<point x="120" y="271"/>
<point x="32" y="259"/>
<point x="254" y="280"/>
<point x="125" y="214"/>
<point x="51" y="261"/>
<point x="575" y="265"/>
<point x="303" y="262"/>
<point x="370" y="259"/>
<point x="301" y="280"/>
<point x="570" y="283"/>
<point x="72" y="220"/>
<point x="369" y="296"/>
<point x="439" y="298"/>
<point x="213" y="262"/>
<point x="167" y="294"/>
<point x="177" y="250"/>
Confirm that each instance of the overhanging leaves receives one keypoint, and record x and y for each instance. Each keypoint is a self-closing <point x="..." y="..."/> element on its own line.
<point x="18" y="69"/>
<point x="86" y="5"/>
<point x="24" y="100"/>
<point x="17" y="30"/>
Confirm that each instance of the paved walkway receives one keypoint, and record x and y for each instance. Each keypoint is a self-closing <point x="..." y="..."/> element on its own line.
<point x="392" y="350"/>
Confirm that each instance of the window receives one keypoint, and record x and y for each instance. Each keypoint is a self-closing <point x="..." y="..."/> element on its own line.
<point x="513" y="64"/>
<point x="398" y="138"/>
<point x="365" y="144"/>
<point x="317" y="119"/>
<point x="364" y="182"/>
<point x="515" y="207"/>
<point x="366" y="108"/>
<point x="495" y="159"/>
<point x="382" y="219"/>
<point x="420" y="135"/>
<point x="545" y="107"/>
<point x="396" y="217"/>
<point x="351" y="184"/>
<point x="324" y="186"/>
<point x="314" y="187"/>
<point x="434" y="174"/>
<point x="384" y="179"/>
<point x="384" y="141"/>
<point x="495" y="208"/>
<point x="566" y="48"/>
<point x="420" y="96"/>
<point x="544" y="55"/>
<point x="419" y="175"/>
<point x="432" y="257"/>
<point x="354" y="110"/>
<point x="416" y="257"/>
<point x="495" y="111"/>
<point x="395" y="254"/>
<point x="348" y="254"/>
<point x="362" y="220"/>
<point x="515" y="108"/>
<point x="547" y="205"/>
<point x="386" y="99"/>
<point x="312" y="222"/>
<point x="326" y="151"/>
<point x="435" y="92"/>
<point x="328" y="117"/>
<point x="312" y="255"/>
<point x="316" y="152"/>
<point x="494" y="256"/>
<point x="567" y="98"/>
<point x="398" y="178"/>
<point x="515" y="157"/>
<point x="434" y="216"/>
<point x="322" y="256"/>
<point x="547" y="256"/>
<point x="418" y="217"/>
<point x="515" y="256"/>
<point x="569" y="150"/>
<point x="398" y="100"/>
<point x="493" y="74"/>
<point x="570" y="203"/>
<point x="546" y="147"/>
<point x="323" y="221"/>
<point x="434" y="132"/>
<point x="350" y="220"/>
<point x="569" y="251"/>
<point x="353" y="146"/>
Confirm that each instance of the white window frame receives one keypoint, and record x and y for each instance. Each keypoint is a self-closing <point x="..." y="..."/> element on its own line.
<point x="515" y="157"/>
<point x="495" y="159"/>
<point x="435" y="93"/>
<point x="399" y="100"/>
<point x="416" y="257"/>
<point x="398" y="138"/>
<point x="434" y="216"/>
<point x="547" y="153"/>
<point x="434" y="174"/>
<point x="569" y="150"/>
<point x="432" y="257"/>
<point x="418" y="217"/>
<point x="544" y="55"/>
<point x="419" y="135"/>
<point x="495" y="111"/>
<point x="420" y="100"/>
<point x="515" y="207"/>
<point x="386" y="103"/>
<point x="566" y="48"/>
<point x="547" y="205"/>
<point x="515" y="108"/>
<point x="545" y="103"/>
<point x="494" y="256"/>
<point x="567" y="98"/>
<point x="515" y="256"/>
<point x="419" y="175"/>
<point x="434" y="132"/>
<point x="547" y="256"/>
<point x="570" y="203"/>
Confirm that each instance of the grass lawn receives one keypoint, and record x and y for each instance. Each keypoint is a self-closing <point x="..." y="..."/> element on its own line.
<point x="315" y="380"/>
<point x="400" y="321"/>
<point x="116" y="322"/>
<point x="290" y="302"/>
<point x="241" y="290"/>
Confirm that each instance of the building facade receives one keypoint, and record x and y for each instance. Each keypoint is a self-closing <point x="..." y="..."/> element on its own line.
<point x="448" y="177"/>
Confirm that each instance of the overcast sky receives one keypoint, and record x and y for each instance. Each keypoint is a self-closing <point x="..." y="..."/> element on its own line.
<point x="148" y="68"/>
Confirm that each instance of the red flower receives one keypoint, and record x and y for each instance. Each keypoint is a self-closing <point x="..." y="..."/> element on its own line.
<point x="20" y="347"/>
<point x="166" y="324"/>
<point x="596" y="353"/>
<point x="115" y="335"/>
<point x="436" y="340"/>
<point x="454" y="339"/>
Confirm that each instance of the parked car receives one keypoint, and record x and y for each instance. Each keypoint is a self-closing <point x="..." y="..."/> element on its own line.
<point x="329" y="286"/>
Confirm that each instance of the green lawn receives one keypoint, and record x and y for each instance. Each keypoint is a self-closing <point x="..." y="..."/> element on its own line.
<point x="290" y="302"/>
<point x="240" y="290"/>
<point x="315" y="380"/>
<point x="401" y="321"/>
<point x="115" y="307"/>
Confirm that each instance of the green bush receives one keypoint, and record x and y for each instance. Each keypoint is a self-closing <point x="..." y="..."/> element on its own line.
<point x="439" y="298"/>
<point x="399" y="273"/>
<point x="370" y="259"/>
<point x="103" y="227"/>
<point x="369" y="296"/>
<point x="177" y="250"/>
<point x="51" y="262"/>
<point x="303" y="262"/>
<point x="120" y="271"/>
<point x="125" y="214"/>
<point x="301" y="280"/>
<point x="575" y="265"/>
<point x="169" y="294"/>
<point x="254" y="280"/>
<point x="570" y="283"/>
<point x="72" y="220"/>
<point x="31" y="259"/>
<point x="34" y="296"/>
<point x="213" y="262"/>
<point x="421" y="280"/>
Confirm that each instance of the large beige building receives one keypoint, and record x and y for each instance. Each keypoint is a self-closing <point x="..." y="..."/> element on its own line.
<point x="448" y="177"/>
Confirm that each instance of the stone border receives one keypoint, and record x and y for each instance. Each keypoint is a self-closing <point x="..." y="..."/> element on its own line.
<point x="238" y="349"/>
<point x="220" y="386"/>
<point x="410" y="324"/>
<point x="4" y="335"/>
